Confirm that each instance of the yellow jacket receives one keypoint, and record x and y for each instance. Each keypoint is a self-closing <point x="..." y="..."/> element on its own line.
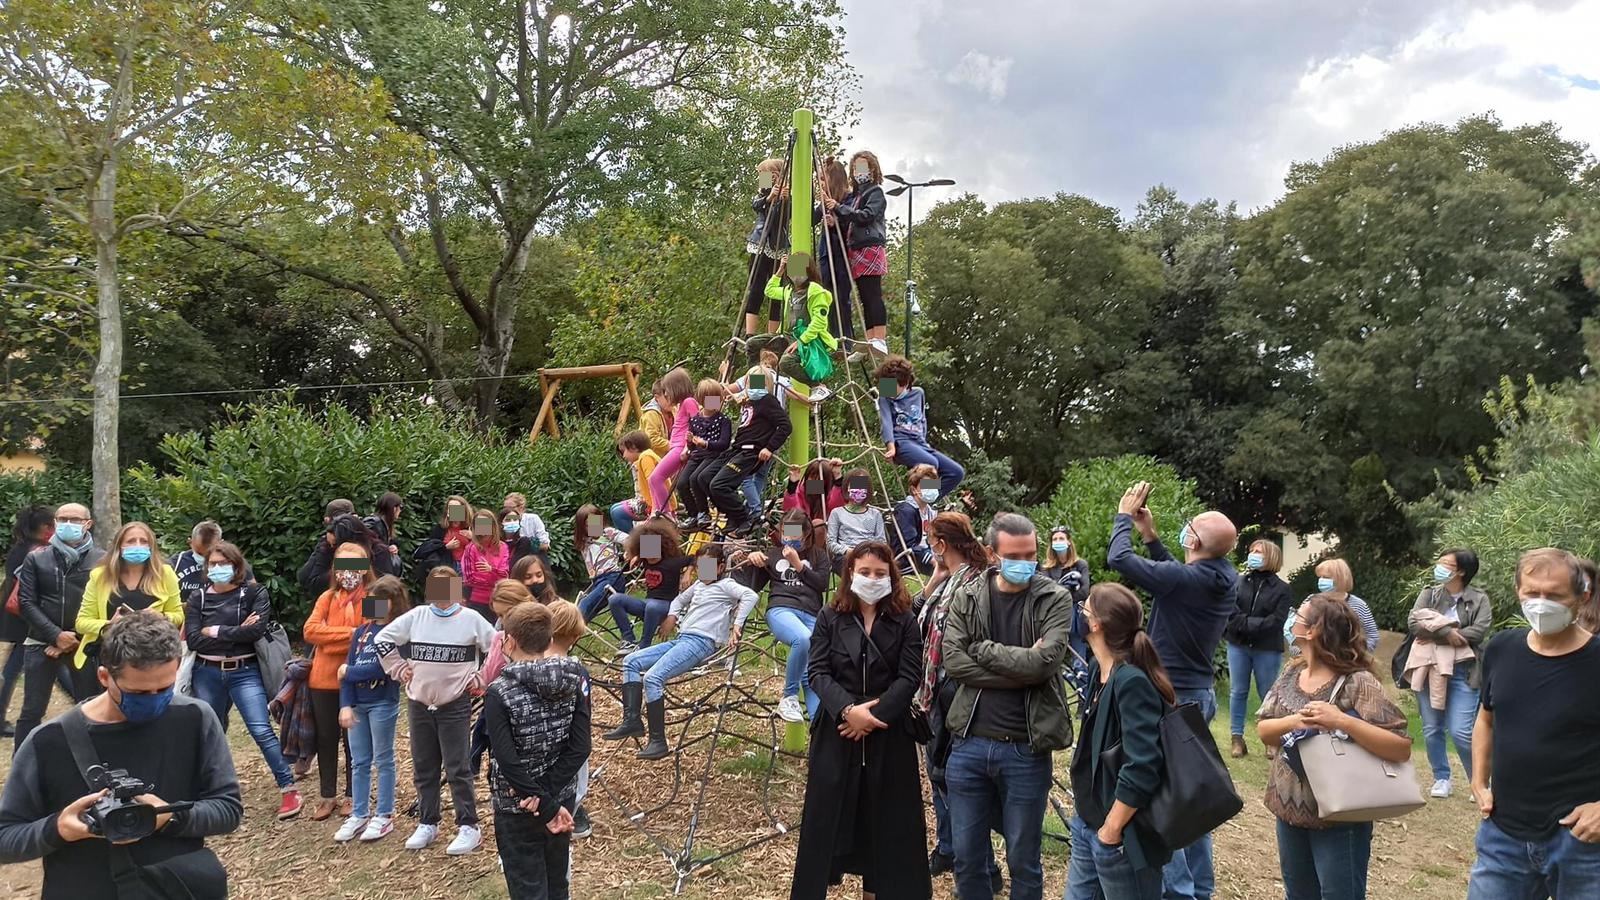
<point x="648" y="460"/>
<point x="94" y="616"/>
<point x="655" y="425"/>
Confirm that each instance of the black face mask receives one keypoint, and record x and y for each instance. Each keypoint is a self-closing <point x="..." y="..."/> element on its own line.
<point x="536" y="586"/>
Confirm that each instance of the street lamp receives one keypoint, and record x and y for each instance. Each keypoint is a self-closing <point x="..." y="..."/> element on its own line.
<point x="909" y="189"/>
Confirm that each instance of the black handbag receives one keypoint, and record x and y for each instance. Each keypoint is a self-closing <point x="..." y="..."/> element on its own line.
<point x="1397" y="663"/>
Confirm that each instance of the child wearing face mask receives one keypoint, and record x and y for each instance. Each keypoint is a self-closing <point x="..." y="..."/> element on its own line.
<point x="854" y="522"/>
<point x="329" y="628"/>
<point x="862" y="212"/>
<point x="912" y="515"/>
<point x="520" y="545"/>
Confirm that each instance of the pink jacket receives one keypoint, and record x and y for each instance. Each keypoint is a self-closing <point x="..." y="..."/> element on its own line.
<point x="478" y="584"/>
<point x="493" y="661"/>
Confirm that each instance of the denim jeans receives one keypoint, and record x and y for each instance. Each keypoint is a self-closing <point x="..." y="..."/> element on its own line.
<point x="943" y="844"/>
<point x="910" y="454"/>
<point x="595" y="596"/>
<point x="1454" y="723"/>
<point x="754" y="486"/>
<point x="40" y="673"/>
<point x="794" y="627"/>
<point x="979" y="774"/>
<point x="653" y="612"/>
<point x="1189" y="875"/>
<point x="1560" y="867"/>
<point x="657" y="665"/>
<point x="1326" y="863"/>
<point x="372" y="747"/>
<point x="1242" y="664"/>
<point x="620" y="519"/>
<point x="1098" y="872"/>
<point x="242" y="688"/>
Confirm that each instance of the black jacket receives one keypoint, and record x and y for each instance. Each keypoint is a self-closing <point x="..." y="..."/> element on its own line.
<point x="1260" y="609"/>
<point x="863" y="211"/>
<point x="52" y="591"/>
<point x="12" y="626"/>
<point x="227" y="611"/>
<point x="313" y="576"/>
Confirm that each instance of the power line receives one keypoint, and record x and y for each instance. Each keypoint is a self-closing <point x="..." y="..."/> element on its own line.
<point x="292" y="387"/>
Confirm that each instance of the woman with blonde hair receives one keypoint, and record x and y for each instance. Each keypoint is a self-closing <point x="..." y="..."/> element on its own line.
<point x="133" y="576"/>
<point x="1335" y="579"/>
<point x="1255" y="633"/>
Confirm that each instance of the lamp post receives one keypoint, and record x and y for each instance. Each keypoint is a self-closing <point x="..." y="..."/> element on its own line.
<point x="909" y="188"/>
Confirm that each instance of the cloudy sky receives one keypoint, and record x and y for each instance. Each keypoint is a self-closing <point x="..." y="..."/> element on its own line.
<point x="1022" y="98"/>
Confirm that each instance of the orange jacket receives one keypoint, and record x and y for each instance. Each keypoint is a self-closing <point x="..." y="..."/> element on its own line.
<point x="332" y="622"/>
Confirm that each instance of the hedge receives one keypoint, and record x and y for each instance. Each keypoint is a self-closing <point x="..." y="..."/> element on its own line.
<point x="52" y="487"/>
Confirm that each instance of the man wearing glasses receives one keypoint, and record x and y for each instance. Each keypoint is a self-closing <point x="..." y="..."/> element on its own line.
<point x="50" y="590"/>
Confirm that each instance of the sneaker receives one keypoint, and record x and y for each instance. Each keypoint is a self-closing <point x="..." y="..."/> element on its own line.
<point x="626" y="647"/>
<point x="378" y="827"/>
<point x="7" y="729"/>
<point x="790" y="710"/>
<point x="290" y="807"/>
<point x="468" y="837"/>
<point x="351" y="827"/>
<point x="422" y="837"/>
<point x="581" y="826"/>
<point x="939" y="863"/>
<point x="1441" y="789"/>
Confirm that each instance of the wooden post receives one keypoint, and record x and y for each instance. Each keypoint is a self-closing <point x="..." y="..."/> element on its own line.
<point x="631" y="378"/>
<point x="550" y="382"/>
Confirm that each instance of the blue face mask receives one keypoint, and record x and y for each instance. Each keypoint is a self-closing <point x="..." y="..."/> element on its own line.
<point x="1183" y="537"/>
<point x="220" y="574"/>
<point x="1018" y="571"/>
<point x="71" y="532"/>
<point x="1060" y="546"/>
<point x="1253" y="561"/>
<point x="795" y="544"/>
<point x="143" y="707"/>
<point x="1442" y="574"/>
<point x="757" y="394"/>
<point x="930" y="495"/>
<point x="446" y="612"/>
<point x="1324" y="585"/>
<point x="136" y="554"/>
<point x="511" y="527"/>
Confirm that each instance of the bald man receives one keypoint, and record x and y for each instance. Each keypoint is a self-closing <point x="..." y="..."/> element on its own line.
<point x="49" y="591"/>
<point x="1190" y="602"/>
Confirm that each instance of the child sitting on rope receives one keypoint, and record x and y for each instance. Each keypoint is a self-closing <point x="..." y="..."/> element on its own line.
<point x="909" y="536"/>
<point x="710" y="433"/>
<point x="763" y="429"/>
<point x="600" y="547"/>
<point x="903" y="418"/>
<point x="711" y="612"/>
<point x="635" y="448"/>
<point x="658" y="546"/>
<point x="755" y="484"/>
<point x="818" y="489"/>
<point x="800" y="285"/>
<point x="854" y="522"/>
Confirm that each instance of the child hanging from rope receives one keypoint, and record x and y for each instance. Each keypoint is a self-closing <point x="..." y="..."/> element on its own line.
<point x="711" y="612"/>
<point x="762" y="432"/>
<point x="710" y="433"/>
<point x="768" y="241"/>
<point x="680" y="408"/>
<point x="800" y="285"/>
<point x="903" y="418"/>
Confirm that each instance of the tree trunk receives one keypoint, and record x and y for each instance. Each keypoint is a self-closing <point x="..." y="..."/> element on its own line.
<point x="108" y="368"/>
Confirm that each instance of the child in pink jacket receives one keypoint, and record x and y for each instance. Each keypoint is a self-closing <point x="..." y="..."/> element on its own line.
<point x="485" y="561"/>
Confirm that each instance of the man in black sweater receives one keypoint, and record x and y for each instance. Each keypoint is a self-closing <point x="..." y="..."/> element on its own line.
<point x="173" y="744"/>
<point x="1190" y="603"/>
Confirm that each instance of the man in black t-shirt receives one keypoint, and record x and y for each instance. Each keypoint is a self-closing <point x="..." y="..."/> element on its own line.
<point x="1535" y="769"/>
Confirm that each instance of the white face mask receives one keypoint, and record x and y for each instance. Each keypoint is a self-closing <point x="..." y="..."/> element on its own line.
<point x="1545" y="616"/>
<point x="869" y="590"/>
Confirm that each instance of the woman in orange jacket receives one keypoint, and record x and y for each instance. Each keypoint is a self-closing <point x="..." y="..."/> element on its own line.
<point x="332" y="623"/>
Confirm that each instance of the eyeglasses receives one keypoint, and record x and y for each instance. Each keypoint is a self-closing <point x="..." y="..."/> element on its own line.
<point x="73" y="520"/>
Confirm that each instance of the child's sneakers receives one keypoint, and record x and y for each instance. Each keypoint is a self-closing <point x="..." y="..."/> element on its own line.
<point x="581" y="826"/>
<point x="378" y="827"/>
<point x="422" y="837"/>
<point x="290" y="807"/>
<point x="790" y="710"/>
<point x="468" y="837"/>
<point x="626" y="647"/>
<point x="351" y="827"/>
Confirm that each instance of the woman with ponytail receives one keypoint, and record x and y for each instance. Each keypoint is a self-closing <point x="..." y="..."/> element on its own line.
<point x="1113" y="856"/>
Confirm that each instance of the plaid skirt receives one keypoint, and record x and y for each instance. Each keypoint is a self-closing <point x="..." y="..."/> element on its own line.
<point x="869" y="261"/>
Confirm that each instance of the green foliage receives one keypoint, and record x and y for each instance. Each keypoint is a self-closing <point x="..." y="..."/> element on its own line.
<point x="994" y="489"/>
<point x="56" y="485"/>
<point x="266" y="475"/>
<point x="1086" y="498"/>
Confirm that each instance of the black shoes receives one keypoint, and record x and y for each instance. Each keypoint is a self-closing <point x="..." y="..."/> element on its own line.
<point x="656" y="712"/>
<point x="632" y="696"/>
<point x="939" y="864"/>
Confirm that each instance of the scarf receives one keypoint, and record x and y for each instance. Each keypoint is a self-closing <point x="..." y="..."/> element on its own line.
<point x="72" y="554"/>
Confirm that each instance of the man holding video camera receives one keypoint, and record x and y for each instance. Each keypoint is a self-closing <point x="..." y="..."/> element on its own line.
<point x="82" y="793"/>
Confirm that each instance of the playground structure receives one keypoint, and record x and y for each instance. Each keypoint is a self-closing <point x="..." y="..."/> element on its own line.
<point x="550" y="381"/>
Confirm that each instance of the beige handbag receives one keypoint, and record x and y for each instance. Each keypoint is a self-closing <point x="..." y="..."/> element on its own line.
<point x="1353" y="785"/>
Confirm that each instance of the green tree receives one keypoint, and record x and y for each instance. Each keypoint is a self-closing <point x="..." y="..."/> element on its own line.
<point x="1086" y="497"/>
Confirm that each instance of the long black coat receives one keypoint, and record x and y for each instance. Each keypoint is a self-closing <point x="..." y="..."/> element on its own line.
<point x="863" y="807"/>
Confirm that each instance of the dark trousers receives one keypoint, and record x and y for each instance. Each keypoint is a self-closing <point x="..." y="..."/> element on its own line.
<point x="725" y="489"/>
<point x="330" y="740"/>
<point x="872" y="308"/>
<point x="836" y="278"/>
<point x="761" y="268"/>
<point x="441" y="739"/>
<point x="535" y="860"/>
<point x="690" y="491"/>
<point x="41" y="672"/>
<point x="11" y="676"/>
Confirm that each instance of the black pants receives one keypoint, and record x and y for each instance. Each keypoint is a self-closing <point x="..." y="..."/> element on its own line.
<point x="535" y="860"/>
<point x="330" y="739"/>
<point x="725" y="485"/>
<point x="40" y="673"/>
<point x="872" y="307"/>
<point x="761" y="268"/>
<point x="690" y="491"/>
<point x="837" y="281"/>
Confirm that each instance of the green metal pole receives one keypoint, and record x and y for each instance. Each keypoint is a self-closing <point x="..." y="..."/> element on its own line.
<point x="798" y="450"/>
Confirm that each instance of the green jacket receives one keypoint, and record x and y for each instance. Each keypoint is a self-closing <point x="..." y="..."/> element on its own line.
<point x="976" y="663"/>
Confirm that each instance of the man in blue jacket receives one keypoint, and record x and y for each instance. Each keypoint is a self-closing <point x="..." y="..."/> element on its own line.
<point x="1190" y="602"/>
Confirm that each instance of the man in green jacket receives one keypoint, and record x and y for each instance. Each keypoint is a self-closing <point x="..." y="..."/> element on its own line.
<point x="1005" y="642"/>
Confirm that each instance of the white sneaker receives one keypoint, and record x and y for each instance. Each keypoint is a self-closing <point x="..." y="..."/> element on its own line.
<point x="1441" y="789"/>
<point x="422" y="837"/>
<point x="378" y="827"/>
<point x="790" y="710"/>
<point x="626" y="647"/>
<point x="468" y="838"/>
<point x="351" y="827"/>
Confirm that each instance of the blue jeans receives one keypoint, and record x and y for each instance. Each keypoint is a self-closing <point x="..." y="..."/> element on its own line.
<point x="979" y="774"/>
<point x="1098" y="872"/>
<point x="1242" y="664"/>
<point x="242" y="688"/>
<point x="1189" y="875"/>
<point x="620" y="520"/>
<point x="657" y="665"/>
<point x="1560" y="867"/>
<point x="595" y="595"/>
<point x="943" y="844"/>
<point x="1327" y="863"/>
<point x="372" y="746"/>
<point x="754" y="486"/>
<point x="909" y="454"/>
<point x="1454" y="722"/>
<point x="794" y="627"/>
<point x="653" y="612"/>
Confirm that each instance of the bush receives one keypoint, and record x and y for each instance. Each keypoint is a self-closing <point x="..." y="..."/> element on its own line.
<point x="1389" y="587"/>
<point x="54" y="486"/>
<point x="1087" y="497"/>
<point x="266" y="475"/>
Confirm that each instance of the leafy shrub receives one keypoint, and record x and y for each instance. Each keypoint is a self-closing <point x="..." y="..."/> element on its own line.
<point x="1087" y="497"/>
<point x="1389" y="586"/>
<point x="55" y="485"/>
<point x="266" y="475"/>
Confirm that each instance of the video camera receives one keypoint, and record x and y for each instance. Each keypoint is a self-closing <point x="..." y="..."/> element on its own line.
<point x="119" y="817"/>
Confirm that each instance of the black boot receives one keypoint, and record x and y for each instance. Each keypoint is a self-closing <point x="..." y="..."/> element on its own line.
<point x="656" y="712"/>
<point x="632" y="695"/>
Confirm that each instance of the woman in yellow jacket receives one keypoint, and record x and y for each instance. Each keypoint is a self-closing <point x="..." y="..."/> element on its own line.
<point x="133" y="576"/>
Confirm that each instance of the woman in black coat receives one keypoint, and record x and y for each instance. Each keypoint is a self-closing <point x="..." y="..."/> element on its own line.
<point x="30" y="532"/>
<point x="863" y="806"/>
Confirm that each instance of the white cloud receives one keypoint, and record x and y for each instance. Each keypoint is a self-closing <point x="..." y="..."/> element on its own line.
<point x="982" y="72"/>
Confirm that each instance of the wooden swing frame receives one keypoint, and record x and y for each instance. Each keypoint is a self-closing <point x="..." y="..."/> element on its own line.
<point x="550" y="382"/>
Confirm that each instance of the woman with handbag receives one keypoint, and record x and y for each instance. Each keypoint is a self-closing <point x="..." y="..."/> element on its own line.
<point x="863" y="805"/>
<point x="1321" y="859"/>
<point x="1117" y="766"/>
<point x="222" y="623"/>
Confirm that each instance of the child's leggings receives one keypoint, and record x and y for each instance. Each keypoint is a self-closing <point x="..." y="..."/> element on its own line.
<point x="660" y="490"/>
